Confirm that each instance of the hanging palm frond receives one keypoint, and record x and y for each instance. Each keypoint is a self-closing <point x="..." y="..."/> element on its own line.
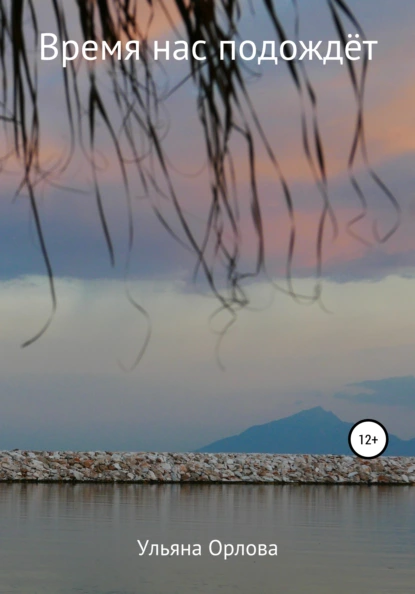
<point x="225" y="110"/>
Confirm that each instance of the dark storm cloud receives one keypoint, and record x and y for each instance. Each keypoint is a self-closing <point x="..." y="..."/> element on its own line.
<point x="392" y="391"/>
<point x="76" y="243"/>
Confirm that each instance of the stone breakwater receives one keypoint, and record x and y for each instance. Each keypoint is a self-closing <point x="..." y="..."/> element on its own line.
<point x="115" y="467"/>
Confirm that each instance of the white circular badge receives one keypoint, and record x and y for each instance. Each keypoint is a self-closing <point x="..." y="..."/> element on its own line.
<point x="368" y="439"/>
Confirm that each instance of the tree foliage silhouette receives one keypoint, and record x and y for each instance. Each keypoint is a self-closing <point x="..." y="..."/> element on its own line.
<point x="225" y="111"/>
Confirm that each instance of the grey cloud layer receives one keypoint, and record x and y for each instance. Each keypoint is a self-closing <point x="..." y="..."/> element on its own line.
<point x="393" y="391"/>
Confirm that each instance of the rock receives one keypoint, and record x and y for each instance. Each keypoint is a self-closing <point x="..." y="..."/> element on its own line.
<point x="167" y="467"/>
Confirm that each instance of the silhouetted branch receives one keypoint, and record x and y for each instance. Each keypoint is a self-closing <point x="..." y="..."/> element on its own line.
<point x="226" y="114"/>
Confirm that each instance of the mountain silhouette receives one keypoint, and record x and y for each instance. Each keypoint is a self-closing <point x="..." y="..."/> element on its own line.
<point x="312" y="431"/>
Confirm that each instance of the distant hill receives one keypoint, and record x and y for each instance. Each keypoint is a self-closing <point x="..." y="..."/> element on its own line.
<point x="313" y="431"/>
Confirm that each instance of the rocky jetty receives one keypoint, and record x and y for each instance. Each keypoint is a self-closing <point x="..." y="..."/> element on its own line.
<point x="149" y="467"/>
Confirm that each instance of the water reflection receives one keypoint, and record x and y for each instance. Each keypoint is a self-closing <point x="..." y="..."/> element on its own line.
<point x="66" y="538"/>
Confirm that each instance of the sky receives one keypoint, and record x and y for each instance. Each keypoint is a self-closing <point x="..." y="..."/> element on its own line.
<point x="354" y="355"/>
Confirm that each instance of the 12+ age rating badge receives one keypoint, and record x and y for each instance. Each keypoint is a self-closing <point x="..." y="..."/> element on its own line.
<point x="368" y="439"/>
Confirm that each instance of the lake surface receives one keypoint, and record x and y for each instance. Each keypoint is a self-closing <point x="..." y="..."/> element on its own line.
<point x="62" y="539"/>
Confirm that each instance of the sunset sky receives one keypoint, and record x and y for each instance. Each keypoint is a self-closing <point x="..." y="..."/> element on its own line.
<point x="355" y="356"/>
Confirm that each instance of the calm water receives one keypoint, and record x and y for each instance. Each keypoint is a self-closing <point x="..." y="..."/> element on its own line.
<point x="61" y="539"/>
